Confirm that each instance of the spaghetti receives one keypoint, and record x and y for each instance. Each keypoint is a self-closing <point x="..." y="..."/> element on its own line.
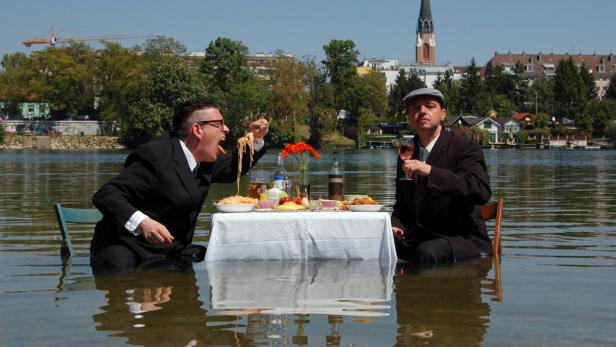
<point x="242" y="144"/>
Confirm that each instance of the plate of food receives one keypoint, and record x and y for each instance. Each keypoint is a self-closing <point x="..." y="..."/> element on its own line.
<point x="236" y="204"/>
<point x="289" y="206"/>
<point x="364" y="204"/>
<point x="365" y="208"/>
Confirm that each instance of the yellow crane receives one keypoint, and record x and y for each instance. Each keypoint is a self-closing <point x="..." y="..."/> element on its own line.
<point x="53" y="38"/>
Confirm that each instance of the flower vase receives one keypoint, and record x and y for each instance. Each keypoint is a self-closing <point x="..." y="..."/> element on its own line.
<point x="304" y="184"/>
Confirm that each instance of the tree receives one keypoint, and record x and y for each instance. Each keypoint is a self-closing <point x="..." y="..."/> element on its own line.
<point x="340" y="64"/>
<point x="610" y="93"/>
<point x="403" y="85"/>
<point x="472" y="95"/>
<point x="450" y="89"/>
<point x="588" y="81"/>
<point x="169" y="81"/>
<point x="163" y="45"/>
<point x="120" y="73"/>
<point x="569" y="89"/>
<point x="14" y="81"/>
<point x="288" y="84"/>
<point x="225" y="64"/>
<point x="597" y="116"/>
<point x="63" y="77"/>
<point x="543" y="91"/>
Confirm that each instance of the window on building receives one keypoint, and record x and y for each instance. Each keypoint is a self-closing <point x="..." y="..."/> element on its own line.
<point x="529" y="67"/>
<point x="487" y="125"/>
<point x="600" y="68"/>
<point x="30" y="109"/>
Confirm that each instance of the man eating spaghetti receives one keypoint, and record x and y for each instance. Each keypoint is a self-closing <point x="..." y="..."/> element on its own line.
<point x="150" y="208"/>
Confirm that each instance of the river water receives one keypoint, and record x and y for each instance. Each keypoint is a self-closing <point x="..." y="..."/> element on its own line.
<point x="554" y="286"/>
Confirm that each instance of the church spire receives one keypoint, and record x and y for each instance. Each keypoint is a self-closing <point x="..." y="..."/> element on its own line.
<point x="425" y="24"/>
<point x="425" y="49"/>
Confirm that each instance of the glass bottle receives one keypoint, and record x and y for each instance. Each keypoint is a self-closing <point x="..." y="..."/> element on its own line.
<point x="280" y="175"/>
<point x="336" y="179"/>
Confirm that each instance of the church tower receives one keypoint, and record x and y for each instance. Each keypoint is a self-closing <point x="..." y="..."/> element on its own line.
<point x="425" y="51"/>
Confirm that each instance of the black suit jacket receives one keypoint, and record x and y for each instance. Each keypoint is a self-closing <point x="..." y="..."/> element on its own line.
<point x="447" y="202"/>
<point x="157" y="181"/>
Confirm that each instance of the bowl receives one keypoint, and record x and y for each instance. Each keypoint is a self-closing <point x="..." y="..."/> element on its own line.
<point x="229" y="208"/>
<point x="365" y="208"/>
<point x="328" y="204"/>
<point x="265" y="204"/>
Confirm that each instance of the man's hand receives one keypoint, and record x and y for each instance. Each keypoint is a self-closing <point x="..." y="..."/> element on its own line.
<point x="418" y="167"/>
<point x="259" y="128"/>
<point x="154" y="232"/>
<point x="398" y="233"/>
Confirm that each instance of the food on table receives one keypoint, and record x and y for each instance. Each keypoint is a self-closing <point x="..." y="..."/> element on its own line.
<point x="237" y="199"/>
<point x="305" y="202"/>
<point x="289" y="206"/>
<point x="366" y="200"/>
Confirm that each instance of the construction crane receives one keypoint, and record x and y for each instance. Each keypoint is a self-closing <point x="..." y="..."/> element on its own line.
<point x="53" y="38"/>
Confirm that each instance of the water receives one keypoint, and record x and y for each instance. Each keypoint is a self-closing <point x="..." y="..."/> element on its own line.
<point x="554" y="286"/>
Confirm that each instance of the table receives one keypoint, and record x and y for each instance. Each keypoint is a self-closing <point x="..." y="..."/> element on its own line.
<point x="301" y="236"/>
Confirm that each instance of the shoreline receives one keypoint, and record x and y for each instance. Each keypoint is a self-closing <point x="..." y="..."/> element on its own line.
<point x="63" y="142"/>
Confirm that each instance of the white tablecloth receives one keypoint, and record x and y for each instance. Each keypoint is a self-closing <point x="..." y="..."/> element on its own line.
<point x="301" y="235"/>
<point x="337" y="287"/>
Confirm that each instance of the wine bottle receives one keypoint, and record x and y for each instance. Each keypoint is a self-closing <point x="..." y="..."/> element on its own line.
<point x="336" y="179"/>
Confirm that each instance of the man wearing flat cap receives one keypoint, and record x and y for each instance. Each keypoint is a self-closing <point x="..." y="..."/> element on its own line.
<point x="436" y="217"/>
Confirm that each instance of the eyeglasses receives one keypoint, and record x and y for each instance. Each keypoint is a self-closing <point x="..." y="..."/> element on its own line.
<point x="218" y="123"/>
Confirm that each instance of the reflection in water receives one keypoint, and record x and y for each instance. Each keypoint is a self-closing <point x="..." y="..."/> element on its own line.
<point x="161" y="308"/>
<point x="442" y="305"/>
<point x="270" y="292"/>
<point x="313" y="287"/>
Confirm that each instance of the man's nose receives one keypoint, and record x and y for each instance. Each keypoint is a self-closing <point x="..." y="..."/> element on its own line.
<point x="225" y="129"/>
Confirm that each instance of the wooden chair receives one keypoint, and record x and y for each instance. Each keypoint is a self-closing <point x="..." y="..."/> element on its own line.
<point x="494" y="210"/>
<point x="67" y="216"/>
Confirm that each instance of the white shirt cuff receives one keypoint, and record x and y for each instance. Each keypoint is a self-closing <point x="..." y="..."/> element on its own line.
<point x="258" y="144"/>
<point x="133" y="223"/>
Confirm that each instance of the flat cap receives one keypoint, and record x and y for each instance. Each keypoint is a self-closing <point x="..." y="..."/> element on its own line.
<point x="424" y="92"/>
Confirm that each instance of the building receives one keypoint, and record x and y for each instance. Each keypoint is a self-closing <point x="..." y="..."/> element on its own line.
<point x="425" y="45"/>
<point x="28" y="110"/>
<point x="500" y="129"/>
<point x="425" y="66"/>
<point x="540" y="64"/>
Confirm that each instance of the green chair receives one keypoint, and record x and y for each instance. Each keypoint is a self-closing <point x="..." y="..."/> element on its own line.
<point x="67" y="216"/>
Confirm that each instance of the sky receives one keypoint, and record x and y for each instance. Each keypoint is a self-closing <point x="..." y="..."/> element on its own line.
<point x="380" y="29"/>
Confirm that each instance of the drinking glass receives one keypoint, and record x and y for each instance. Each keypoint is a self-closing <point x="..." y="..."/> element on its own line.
<point x="257" y="179"/>
<point x="405" y="151"/>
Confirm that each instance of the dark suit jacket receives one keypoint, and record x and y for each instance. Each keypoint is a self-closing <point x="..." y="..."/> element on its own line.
<point x="157" y="181"/>
<point x="447" y="202"/>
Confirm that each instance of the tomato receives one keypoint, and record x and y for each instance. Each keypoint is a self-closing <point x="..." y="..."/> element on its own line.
<point x="285" y="199"/>
<point x="298" y="201"/>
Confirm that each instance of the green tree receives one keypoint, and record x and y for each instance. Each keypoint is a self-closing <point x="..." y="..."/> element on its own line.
<point x="588" y="81"/>
<point x="403" y="85"/>
<point x="473" y="99"/>
<point x="610" y="93"/>
<point x="542" y="91"/>
<point x="322" y="114"/>
<point x="597" y="116"/>
<point x="120" y="73"/>
<point x="163" y="45"/>
<point x="15" y="77"/>
<point x="340" y="63"/>
<point x="63" y="77"/>
<point x="450" y="89"/>
<point x="288" y="83"/>
<point x="169" y="81"/>
<point x="569" y="89"/>
<point x="225" y="64"/>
